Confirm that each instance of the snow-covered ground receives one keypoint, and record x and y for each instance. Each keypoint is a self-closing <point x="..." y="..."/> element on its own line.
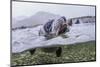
<point x="24" y="39"/>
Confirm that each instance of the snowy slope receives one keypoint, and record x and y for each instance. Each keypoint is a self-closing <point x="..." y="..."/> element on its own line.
<point x="28" y="38"/>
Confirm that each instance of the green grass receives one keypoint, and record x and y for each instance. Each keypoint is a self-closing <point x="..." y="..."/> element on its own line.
<point x="71" y="53"/>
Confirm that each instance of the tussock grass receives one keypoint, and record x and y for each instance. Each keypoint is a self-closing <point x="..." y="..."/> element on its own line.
<point x="71" y="53"/>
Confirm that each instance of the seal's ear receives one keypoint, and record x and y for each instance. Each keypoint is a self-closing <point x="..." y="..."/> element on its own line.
<point x="70" y="22"/>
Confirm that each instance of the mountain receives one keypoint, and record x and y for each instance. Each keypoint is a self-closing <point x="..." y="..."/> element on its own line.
<point x="37" y="19"/>
<point x="42" y="17"/>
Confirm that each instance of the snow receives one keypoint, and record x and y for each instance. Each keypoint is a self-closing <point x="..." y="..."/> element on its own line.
<point x="25" y="39"/>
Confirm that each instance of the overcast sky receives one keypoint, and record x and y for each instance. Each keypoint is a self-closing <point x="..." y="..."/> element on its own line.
<point x="29" y="9"/>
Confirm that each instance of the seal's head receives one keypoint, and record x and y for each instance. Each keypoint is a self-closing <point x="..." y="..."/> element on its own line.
<point x="55" y="27"/>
